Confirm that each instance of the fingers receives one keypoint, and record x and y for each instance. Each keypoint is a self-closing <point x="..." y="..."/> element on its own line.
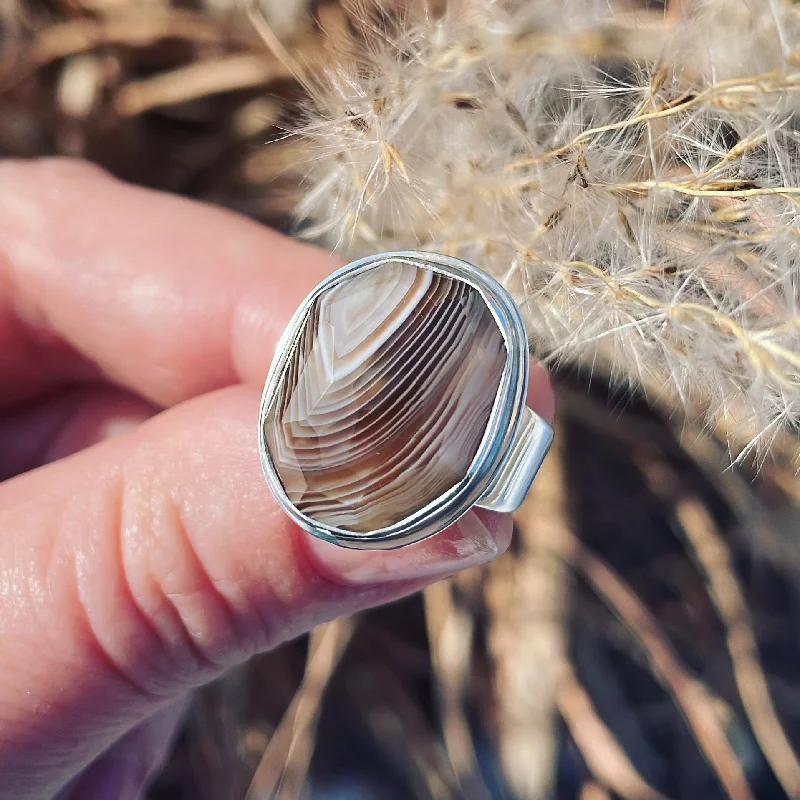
<point x="151" y="562"/>
<point x="124" y="771"/>
<point x="63" y="423"/>
<point x="166" y="297"/>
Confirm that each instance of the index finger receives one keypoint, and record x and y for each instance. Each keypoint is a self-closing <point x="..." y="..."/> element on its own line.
<point x="167" y="297"/>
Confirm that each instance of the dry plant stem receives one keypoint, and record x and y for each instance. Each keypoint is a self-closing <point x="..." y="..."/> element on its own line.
<point x="756" y="530"/>
<point x="230" y="73"/>
<point x="772" y="81"/>
<point x="787" y="481"/>
<point x="450" y="635"/>
<point x="764" y="354"/>
<point x="709" y="455"/>
<point x="600" y="749"/>
<point x="675" y="9"/>
<point x="726" y="277"/>
<point x="135" y="29"/>
<point x="527" y="596"/>
<point x="708" y="545"/>
<point x="688" y="693"/>
<point x="593" y="791"/>
<point x="284" y="765"/>
<point x="401" y="732"/>
<point x="273" y="43"/>
<point x="750" y="679"/>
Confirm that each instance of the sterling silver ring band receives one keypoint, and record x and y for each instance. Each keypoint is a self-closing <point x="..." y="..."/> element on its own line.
<point x="396" y="402"/>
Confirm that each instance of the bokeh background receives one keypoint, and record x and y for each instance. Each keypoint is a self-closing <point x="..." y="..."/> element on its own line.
<point x="640" y="639"/>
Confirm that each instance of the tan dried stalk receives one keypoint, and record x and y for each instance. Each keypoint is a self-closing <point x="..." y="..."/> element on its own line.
<point x="750" y="679"/>
<point x="284" y="765"/>
<point x="689" y="694"/>
<point x="603" y="754"/>
<point x="708" y="546"/>
<point x="527" y="597"/>
<point x="451" y="628"/>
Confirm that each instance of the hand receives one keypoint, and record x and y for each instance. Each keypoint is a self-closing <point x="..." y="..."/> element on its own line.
<point x="141" y="552"/>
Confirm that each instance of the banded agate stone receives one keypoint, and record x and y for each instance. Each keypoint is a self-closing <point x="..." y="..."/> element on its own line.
<point x="386" y="397"/>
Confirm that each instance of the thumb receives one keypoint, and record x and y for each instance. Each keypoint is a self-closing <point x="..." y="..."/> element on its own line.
<point x="149" y="563"/>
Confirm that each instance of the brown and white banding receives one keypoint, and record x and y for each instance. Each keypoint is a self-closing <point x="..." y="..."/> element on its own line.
<point x="386" y="396"/>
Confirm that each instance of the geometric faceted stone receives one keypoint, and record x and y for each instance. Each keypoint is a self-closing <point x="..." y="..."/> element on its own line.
<point x="386" y="398"/>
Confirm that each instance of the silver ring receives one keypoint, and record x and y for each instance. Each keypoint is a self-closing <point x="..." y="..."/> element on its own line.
<point x="396" y="402"/>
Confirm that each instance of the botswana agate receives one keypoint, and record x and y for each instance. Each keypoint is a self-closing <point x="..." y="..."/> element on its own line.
<point x="386" y="397"/>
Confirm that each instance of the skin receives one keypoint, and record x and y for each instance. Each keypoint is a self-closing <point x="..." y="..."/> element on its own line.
<point x="141" y="552"/>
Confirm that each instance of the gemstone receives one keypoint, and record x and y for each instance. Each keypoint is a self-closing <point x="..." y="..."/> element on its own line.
<point x="386" y="396"/>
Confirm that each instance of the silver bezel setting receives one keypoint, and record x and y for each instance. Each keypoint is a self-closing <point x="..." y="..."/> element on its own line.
<point x="501" y="430"/>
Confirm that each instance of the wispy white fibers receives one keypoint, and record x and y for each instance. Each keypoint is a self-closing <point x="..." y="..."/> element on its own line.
<point x="634" y="180"/>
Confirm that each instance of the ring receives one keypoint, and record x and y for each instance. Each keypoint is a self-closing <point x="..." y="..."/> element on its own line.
<point x="396" y="402"/>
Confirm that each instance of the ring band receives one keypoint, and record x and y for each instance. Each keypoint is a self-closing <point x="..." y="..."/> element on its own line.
<point x="396" y="402"/>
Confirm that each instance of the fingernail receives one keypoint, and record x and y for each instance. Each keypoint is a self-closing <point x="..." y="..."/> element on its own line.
<point x="465" y="544"/>
<point x="120" y="425"/>
<point x="540" y="392"/>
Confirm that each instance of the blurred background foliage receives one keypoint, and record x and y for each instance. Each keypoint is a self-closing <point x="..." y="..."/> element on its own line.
<point x="640" y="639"/>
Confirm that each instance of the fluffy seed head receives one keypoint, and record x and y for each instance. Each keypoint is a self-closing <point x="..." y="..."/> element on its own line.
<point x="633" y="179"/>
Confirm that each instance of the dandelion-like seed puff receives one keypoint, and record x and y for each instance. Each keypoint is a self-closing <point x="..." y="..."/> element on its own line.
<point x="633" y="179"/>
